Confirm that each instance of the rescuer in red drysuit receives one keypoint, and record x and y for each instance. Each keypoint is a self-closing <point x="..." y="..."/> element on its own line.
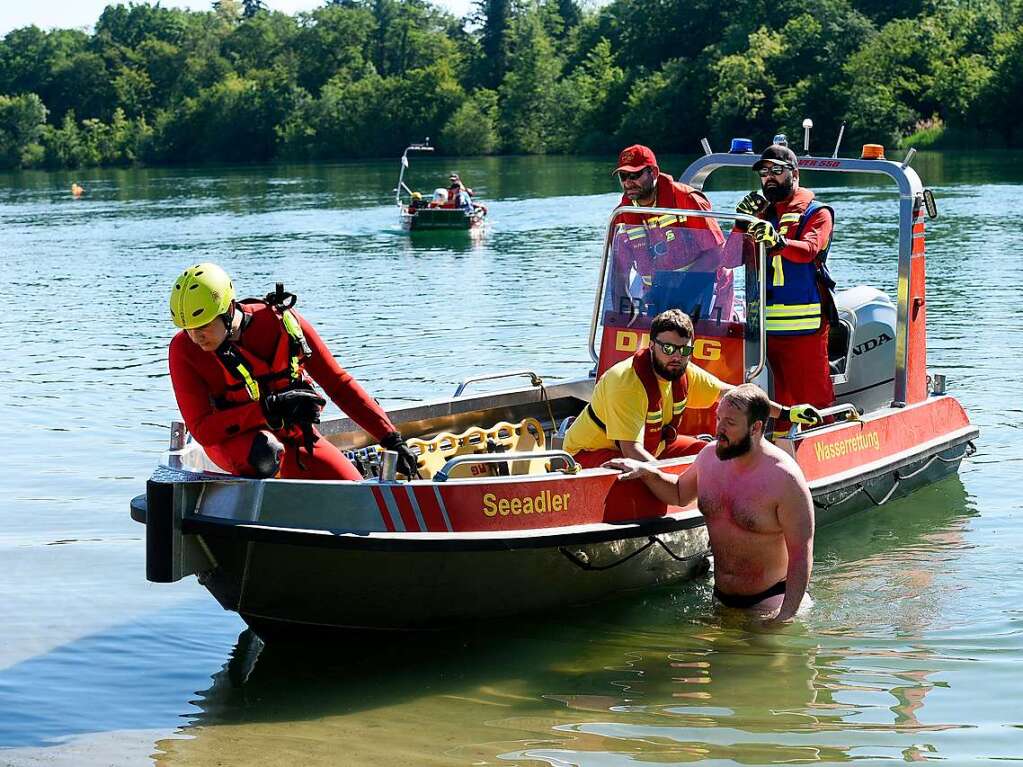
<point x="242" y="374"/>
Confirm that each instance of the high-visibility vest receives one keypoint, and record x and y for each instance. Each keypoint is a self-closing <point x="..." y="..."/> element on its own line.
<point x="795" y="290"/>
<point x="248" y="376"/>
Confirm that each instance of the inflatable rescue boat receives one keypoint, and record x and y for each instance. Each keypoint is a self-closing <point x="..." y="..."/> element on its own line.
<point x="503" y="521"/>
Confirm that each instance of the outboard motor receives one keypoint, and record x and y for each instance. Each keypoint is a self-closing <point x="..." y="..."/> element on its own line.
<point x="863" y="350"/>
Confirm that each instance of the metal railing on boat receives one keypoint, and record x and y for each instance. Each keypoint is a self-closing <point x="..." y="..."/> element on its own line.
<point x="850" y="412"/>
<point x="534" y="379"/>
<point x="571" y="467"/>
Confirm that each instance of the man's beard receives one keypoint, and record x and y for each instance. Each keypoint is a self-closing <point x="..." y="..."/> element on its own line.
<point x="647" y="190"/>
<point x="778" y="192"/>
<point x="665" y="373"/>
<point x="735" y="449"/>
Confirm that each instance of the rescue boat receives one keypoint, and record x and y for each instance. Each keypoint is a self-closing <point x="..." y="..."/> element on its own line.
<point x="502" y="520"/>
<point x="420" y="215"/>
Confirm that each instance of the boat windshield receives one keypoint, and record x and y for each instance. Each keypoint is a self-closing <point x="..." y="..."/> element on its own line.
<point x="675" y="261"/>
<point x="659" y="259"/>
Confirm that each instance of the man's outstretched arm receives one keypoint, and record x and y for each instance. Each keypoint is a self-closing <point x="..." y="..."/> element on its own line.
<point x="672" y="490"/>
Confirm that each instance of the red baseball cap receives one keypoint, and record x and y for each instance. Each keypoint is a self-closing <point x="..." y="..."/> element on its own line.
<point x="635" y="157"/>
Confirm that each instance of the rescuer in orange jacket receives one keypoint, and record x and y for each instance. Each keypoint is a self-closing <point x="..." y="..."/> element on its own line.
<point x="796" y="231"/>
<point x="666" y="243"/>
<point x="242" y="373"/>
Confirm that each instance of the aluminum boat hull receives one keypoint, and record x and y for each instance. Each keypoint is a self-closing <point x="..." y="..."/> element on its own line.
<point x="277" y="552"/>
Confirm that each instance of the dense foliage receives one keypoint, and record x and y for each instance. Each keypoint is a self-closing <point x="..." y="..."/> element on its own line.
<point x="366" y="77"/>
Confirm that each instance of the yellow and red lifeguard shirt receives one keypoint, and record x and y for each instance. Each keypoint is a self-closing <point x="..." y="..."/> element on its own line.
<point x="620" y="401"/>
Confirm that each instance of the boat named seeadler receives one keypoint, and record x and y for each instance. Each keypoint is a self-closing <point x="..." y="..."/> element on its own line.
<point x="503" y="521"/>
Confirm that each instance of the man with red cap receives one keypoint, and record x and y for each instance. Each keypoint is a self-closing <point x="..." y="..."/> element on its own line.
<point x="796" y="231"/>
<point x="658" y="244"/>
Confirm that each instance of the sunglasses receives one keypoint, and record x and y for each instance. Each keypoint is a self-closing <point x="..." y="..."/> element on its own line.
<point x="685" y="350"/>
<point x="622" y="175"/>
<point x="774" y="170"/>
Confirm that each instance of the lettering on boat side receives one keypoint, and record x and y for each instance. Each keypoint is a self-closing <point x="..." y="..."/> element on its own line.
<point x="871" y="343"/>
<point x="827" y="451"/>
<point x="813" y="162"/>
<point x="543" y="503"/>
<point x="630" y="341"/>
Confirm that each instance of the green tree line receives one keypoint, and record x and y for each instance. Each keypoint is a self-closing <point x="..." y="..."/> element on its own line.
<point x="363" y="78"/>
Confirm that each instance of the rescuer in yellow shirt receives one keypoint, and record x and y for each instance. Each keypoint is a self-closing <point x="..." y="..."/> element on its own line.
<point x="638" y="403"/>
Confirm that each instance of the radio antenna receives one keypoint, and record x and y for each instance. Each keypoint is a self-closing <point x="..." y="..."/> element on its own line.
<point x="841" y="132"/>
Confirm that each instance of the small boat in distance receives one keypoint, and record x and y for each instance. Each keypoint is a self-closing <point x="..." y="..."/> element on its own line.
<point x="418" y="213"/>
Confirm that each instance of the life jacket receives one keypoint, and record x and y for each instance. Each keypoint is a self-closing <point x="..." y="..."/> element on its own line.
<point x="654" y="430"/>
<point x="250" y="377"/>
<point x="798" y="293"/>
<point x="650" y="246"/>
<point x="655" y="242"/>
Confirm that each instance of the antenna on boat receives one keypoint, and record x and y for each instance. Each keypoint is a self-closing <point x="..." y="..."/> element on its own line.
<point x="706" y="145"/>
<point x="413" y="147"/>
<point x="807" y="124"/>
<point x="841" y="132"/>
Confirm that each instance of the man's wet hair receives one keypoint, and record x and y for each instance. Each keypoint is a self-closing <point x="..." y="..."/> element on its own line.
<point x="751" y="400"/>
<point x="672" y="320"/>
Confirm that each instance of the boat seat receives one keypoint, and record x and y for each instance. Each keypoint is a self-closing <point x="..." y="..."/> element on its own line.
<point x="524" y="437"/>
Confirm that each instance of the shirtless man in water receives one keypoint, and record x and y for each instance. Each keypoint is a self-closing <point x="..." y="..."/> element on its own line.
<point x="757" y="506"/>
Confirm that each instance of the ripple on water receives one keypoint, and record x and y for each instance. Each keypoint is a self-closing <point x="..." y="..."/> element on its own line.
<point x="910" y="652"/>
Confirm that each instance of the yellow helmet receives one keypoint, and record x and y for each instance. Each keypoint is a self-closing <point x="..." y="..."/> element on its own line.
<point x="201" y="294"/>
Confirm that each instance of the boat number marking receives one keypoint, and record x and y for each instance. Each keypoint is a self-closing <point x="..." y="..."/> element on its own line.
<point x="631" y="341"/>
<point x="545" y="502"/>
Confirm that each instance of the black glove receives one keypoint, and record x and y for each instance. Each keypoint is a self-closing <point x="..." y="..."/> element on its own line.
<point x="408" y="464"/>
<point x="293" y="407"/>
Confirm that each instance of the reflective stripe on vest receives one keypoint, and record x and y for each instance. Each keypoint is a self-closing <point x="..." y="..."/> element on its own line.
<point x="794" y="291"/>
<point x="802" y="317"/>
<point x="286" y="364"/>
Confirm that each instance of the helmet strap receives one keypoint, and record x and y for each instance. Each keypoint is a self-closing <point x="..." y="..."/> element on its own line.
<point x="228" y="318"/>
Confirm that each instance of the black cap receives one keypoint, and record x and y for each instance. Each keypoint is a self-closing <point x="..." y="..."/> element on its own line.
<point x="779" y="155"/>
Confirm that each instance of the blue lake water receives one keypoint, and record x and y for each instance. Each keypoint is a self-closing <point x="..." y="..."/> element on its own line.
<point x="911" y="653"/>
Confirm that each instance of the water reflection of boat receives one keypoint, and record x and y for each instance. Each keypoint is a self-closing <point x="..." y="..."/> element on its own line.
<point x="381" y="695"/>
<point x="503" y="522"/>
<point x="416" y="214"/>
